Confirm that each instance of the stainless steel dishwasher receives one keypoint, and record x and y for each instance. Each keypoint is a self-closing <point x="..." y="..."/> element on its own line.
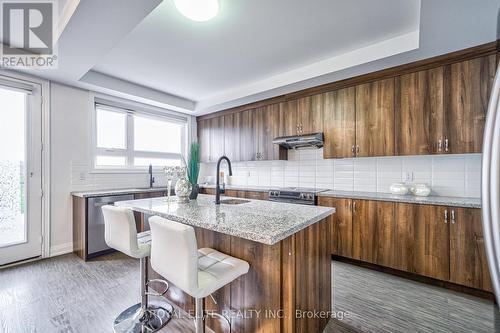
<point x="96" y="245"/>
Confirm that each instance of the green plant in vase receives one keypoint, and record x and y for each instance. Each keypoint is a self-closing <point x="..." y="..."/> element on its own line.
<point x="194" y="169"/>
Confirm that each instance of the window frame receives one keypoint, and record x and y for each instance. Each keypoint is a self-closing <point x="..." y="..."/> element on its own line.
<point x="129" y="153"/>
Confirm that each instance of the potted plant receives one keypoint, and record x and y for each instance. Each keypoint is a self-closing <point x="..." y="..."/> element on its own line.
<point x="194" y="169"/>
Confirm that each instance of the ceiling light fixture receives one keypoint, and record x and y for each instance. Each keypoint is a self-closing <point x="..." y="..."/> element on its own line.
<point x="198" y="10"/>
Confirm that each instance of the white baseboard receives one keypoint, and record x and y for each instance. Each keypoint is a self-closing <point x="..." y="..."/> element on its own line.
<point x="57" y="250"/>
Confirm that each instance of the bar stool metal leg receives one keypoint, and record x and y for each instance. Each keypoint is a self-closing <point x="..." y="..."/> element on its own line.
<point x="199" y="313"/>
<point x="145" y="316"/>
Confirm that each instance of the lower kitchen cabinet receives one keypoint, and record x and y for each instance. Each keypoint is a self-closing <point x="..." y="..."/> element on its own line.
<point x="340" y="225"/>
<point x="422" y="240"/>
<point x="444" y="243"/>
<point x="468" y="262"/>
<point x="239" y="194"/>
<point x="373" y="231"/>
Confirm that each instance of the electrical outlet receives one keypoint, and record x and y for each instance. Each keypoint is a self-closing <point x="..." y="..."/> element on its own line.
<point x="408" y="177"/>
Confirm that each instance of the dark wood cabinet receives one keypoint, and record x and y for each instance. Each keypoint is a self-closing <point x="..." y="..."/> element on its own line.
<point x="422" y="244"/>
<point x="248" y="132"/>
<point x="267" y="128"/>
<point x="232" y="137"/>
<point x="216" y="138"/>
<point x="289" y="124"/>
<point x="310" y="114"/>
<point x="419" y="112"/>
<point x="339" y="110"/>
<point x="340" y="225"/>
<point x="373" y="231"/>
<point x="468" y="87"/>
<point x="204" y="140"/>
<point x="375" y="118"/>
<point x="468" y="262"/>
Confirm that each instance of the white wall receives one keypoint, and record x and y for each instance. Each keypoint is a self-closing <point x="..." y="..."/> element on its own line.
<point x="70" y="162"/>
<point x="448" y="175"/>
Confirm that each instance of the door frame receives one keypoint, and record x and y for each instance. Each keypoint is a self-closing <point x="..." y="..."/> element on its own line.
<point x="45" y="154"/>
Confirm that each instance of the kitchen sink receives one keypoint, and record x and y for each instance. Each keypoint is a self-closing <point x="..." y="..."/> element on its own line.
<point x="233" y="201"/>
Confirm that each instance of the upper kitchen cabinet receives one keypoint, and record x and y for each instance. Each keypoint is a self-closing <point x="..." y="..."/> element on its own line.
<point x="375" y="118"/>
<point x="211" y="138"/>
<point x="419" y="112"/>
<point x="248" y="133"/>
<point x="310" y="114"/>
<point x="339" y="110"/>
<point x="204" y="139"/>
<point x="267" y="128"/>
<point x="216" y="138"/>
<point x="232" y="137"/>
<point x="289" y="123"/>
<point x="468" y="85"/>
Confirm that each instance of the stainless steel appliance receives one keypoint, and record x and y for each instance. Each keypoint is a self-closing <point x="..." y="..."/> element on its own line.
<point x="96" y="245"/>
<point x="296" y="195"/>
<point x="490" y="195"/>
<point x="300" y="141"/>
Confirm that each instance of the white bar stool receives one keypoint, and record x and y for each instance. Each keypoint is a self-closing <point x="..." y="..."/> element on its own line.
<point x="121" y="234"/>
<point x="199" y="273"/>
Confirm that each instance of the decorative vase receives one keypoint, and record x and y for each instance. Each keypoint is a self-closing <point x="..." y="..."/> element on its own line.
<point x="194" y="192"/>
<point x="183" y="190"/>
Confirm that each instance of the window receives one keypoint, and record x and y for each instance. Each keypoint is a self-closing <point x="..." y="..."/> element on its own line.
<point x="125" y="139"/>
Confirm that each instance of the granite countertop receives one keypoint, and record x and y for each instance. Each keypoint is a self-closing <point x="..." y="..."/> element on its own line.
<point x="261" y="221"/>
<point x="103" y="193"/>
<point x="430" y="200"/>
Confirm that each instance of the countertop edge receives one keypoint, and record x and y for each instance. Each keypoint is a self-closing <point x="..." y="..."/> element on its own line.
<point x="431" y="200"/>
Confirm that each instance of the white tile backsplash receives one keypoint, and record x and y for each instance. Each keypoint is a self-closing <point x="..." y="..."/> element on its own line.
<point x="448" y="175"/>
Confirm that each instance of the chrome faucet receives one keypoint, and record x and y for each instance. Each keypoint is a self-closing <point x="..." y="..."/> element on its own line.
<point x="217" y="185"/>
<point x="151" y="178"/>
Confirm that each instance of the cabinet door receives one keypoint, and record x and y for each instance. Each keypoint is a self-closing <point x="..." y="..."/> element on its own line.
<point x="340" y="225"/>
<point x="419" y="112"/>
<point x="232" y="137"/>
<point x="364" y="230"/>
<point x="468" y="263"/>
<point x="248" y="132"/>
<point x="216" y="138"/>
<point x="375" y="118"/>
<point x="288" y="118"/>
<point x="339" y="123"/>
<point x="268" y="128"/>
<point x="310" y="114"/>
<point x="468" y="86"/>
<point x="204" y="139"/>
<point x="422" y="243"/>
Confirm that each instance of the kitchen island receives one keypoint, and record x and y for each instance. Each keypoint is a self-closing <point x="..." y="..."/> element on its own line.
<point x="288" y="286"/>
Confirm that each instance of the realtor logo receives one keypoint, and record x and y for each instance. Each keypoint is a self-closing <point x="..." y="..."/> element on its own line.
<point x="27" y="34"/>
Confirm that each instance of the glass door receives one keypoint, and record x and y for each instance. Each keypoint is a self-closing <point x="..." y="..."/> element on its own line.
<point x="20" y="174"/>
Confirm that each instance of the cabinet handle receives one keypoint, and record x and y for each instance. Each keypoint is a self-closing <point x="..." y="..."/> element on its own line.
<point x="446" y="216"/>
<point x="446" y="145"/>
<point x="349" y="205"/>
<point x="353" y="150"/>
<point x="440" y="145"/>
<point x="354" y="206"/>
<point x="453" y="217"/>
<point x="357" y="150"/>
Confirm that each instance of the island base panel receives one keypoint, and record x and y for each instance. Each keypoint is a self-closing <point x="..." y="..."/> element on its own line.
<point x="287" y="289"/>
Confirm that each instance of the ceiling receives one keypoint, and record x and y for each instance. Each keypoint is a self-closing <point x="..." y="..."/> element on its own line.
<point x="147" y="51"/>
<point x="250" y="41"/>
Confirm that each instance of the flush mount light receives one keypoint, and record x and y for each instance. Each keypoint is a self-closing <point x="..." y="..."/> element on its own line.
<point x="198" y="10"/>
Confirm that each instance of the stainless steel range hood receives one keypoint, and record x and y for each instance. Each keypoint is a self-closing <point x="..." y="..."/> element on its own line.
<point x="300" y="141"/>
